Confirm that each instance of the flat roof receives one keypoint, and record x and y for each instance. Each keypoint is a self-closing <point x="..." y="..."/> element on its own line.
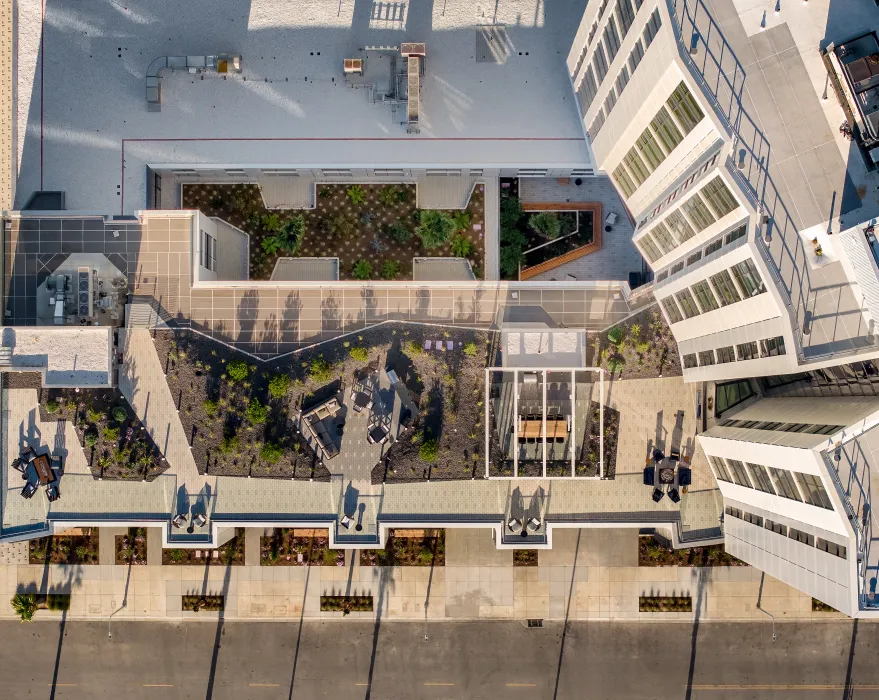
<point x="81" y="91"/>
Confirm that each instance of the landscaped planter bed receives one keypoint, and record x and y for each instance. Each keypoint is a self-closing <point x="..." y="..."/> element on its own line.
<point x="641" y="347"/>
<point x="818" y="606"/>
<point x="287" y="548"/>
<point x="206" y="603"/>
<point x="131" y="548"/>
<point x="65" y="549"/>
<point x="588" y="465"/>
<point x="26" y="604"/>
<point x="368" y="237"/>
<point x="231" y="553"/>
<point x="652" y="552"/>
<point x="346" y="604"/>
<point x="429" y="550"/>
<point x="113" y="439"/>
<point x="525" y="557"/>
<point x="665" y="604"/>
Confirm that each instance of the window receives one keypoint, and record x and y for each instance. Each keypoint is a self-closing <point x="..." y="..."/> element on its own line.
<point x="720" y="469"/>
<point x="677" y="267"/>
<point x="625" y="15"/>
<point x="699" y="214"/>
<point x="682" y="104"/>
<point x="208" y="251"/>
<point x="725" y="355"/>
<point x="653" y="25"/>
<point x="636" y="55"/>
<point x="690" y="361"/>
<point x="813" y="490"/>
<point x="664" y="238"/>
<point x="731" y="394"/>
<point x="672" y="311"/>
<point x="735" y="235"/>
<point x="739" y="474"/>
<point x="688" y="306"/>
<point x="719" y="197"/>
<point x="725" y="288"/>
<point x="623" y="180"/>
<point x="784" y="484"/>
<point x="600" y="63"/>
<point x="662" y="276"/>
<point x="587" y="90"/>
<point x="836" y="550"/>
<point x="748" y="278"/>
<point x="390" y="172"/>
<point x="760" y="478"/>
<point x="753" y="519"/>
<point x="801" y="536"/>
<point x="649" y="149"/>
<point x="622" y="80"/>
<point x="610" y="101"/>
<point x="705" y="297"/>
<point x="649" y="247"/>
<point x="777" y="528"/>
<point x="636" y="166"/>
<point x="747" y="351"/>
<point x="772" y="347"/>
<point x="611" y="39"/>
<point x="713" y="247"/>
<point x="680" y="226"/>
<point x="694" y="258"/>
<point x="596" y="125"/>
<point x="706" y="358"/>
<point x="666" y="130"/>
<point x="734" y="512"/>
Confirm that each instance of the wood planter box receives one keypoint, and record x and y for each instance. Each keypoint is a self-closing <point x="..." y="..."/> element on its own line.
<point x="346" y="604"/>
<point x="665" y="604"/>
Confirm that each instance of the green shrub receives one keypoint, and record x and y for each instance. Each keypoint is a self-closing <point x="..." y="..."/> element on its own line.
<point x="229" y="445"/>
<point x="403" y="195"/>
<point x="356" y="194"/>
<point x="434" y="228"/>
<point x="256" y="412"/>
<point x="462" y="246"/>
<point x="111" y="434"/>
<point x="511" y="257"/>
<point x="177" y="555"/>
<point x="462" y="219"/>
<point x="642" y="348"/>
<point x="24" y="605"/>
<point x="82" y="553"/>
<point x="616" y="335"/>
<point x="429" y="451"/>
<point x="338" y="225"/>
<point x="271" y="222"/>
<point x="271" y="453"/>
<point x="615" y="364"/>
<point x="470" y="349"/>
<point x="324" y="193"/>
<point x="91" y="437"/>
<point x="511" y="212"/>
<point x="94" y="416"/>
<point x="362" y="270"/>
<point x="279" y="385"/>
<point x="52" y="406"/>
<point x="271" y="245"/>
<point x="359" y="354"/>
<point x="399" y="232"/>
<point x="58" y="602"/>
<point x="412" y="349"/>
<point x="210" y="407"/>
<point x="546" y="223"/>
<point x="242" y="202"/>
<point x="513" y="237"/>
<point x="390" y="269"/>
<point x="387" y="195"/>
<point x="290" y="235"/>
<point x="320" y="370"/>
<point x="119" y="414"/>
<point x="237" y="370"/>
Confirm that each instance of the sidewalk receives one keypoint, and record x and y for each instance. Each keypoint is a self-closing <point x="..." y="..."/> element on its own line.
<point x="588" y="575"/>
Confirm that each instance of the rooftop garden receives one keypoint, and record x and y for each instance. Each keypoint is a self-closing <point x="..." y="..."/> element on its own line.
<point x="81" y="548"/>
<point x="229" y="554"/>
<point x="408" y="548"/>
<point x="642" y="347"/>
<point x="299" y="547"/>
<point x="374" y="230"/>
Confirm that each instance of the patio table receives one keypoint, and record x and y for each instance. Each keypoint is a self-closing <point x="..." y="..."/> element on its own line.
<point x="43" y="469"/>
<point x="666" y="475"/>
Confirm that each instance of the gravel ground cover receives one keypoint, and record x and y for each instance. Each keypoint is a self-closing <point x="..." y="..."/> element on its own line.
<point x="65" y="549"/>
<point x="375" y="226"/>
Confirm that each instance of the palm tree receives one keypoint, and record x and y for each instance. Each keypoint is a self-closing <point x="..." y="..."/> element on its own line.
<point x="434" y="228"/>
<point x="25" y="605"/>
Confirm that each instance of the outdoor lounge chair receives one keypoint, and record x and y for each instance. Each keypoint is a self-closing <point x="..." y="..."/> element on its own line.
<point x="199" y="520"/>
<point x="685" y="476"/>
<point x="649" y="476"/>
<point x="533" y="524"/>
<point x="17" y="464"/>
<point x="179" y="520"/>
<point x="450" y="345"/>
<point x="428" y="344"/>
<point x="52" y="492"/>
<point x="675" y="456"/>
<point x="29" y="489"/>
<point x="674" y="496"/>
<point x="658" y="456"/>
<point x="345" y="522"/>
<point x="657" y="495"/>
<point x="514" y="525"/>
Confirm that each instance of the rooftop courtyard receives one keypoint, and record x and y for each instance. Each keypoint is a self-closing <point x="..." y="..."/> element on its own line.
<point x="290" y="103"/>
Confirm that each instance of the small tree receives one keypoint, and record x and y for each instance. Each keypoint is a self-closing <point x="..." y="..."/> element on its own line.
<point x="616" y="335"/>
<point x="271" y="245"/>
<point x="291" y="234"/>
<point x="119" y="414"/>
<point x="91" y="437"/>
<point x="256" y="412"/>
<point x="547" y="224"/>
<point x="362" y="270"/>
<point x="615" y="364"/>
<point x="359" y="354"/>
<point x="402" y="195"/>
<point x="399" y="232"/>
<point x="387" y="195"/>
<point x="461" y="246"/>
<point x="320" y="370"/>
<point x="434" y="228"/>
<point x="462" y="219"/>
<point x="279" y="385"/>
<point x="271" y="222"/>
<point x="237" y="370"/>
<point x="511" y="212"/>
<point x="356" y="194"/>
<point x="429" y="451"/>
<point x="511" y="257"/>
<point x="338" y="225"/>
<point x="24" y="605"/>
<point x="390" y="269"/>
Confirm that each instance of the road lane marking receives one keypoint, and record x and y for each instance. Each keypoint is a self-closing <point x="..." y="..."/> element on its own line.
<point x="364" y="684"/>
<point x="263" y="685"/>
<point x="158" y="685"/>
<point x="767" y="686"/>
<point x="443" y="685"/>
<point x="521" y="685"/>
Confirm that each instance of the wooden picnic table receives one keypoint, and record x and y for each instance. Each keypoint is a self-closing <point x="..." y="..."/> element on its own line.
<point x="534" y="428"/>
<point x="43" y="469"/>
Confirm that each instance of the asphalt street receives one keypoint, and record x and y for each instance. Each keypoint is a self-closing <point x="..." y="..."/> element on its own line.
<point x="490" y="660"/>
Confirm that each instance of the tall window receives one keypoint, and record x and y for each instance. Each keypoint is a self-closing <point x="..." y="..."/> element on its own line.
<point x="725" y="288"/>
<point x="684" y="107"/>
<point x="672" y="311"/>
<point x="597" y="123"/>
<point x="699" y="214"/>
<point x="748" y="277"/>
<point x="208" y="251"/>
<point x="706" y="358"/>
<point x="666" y="130"/>
<point x="587" y="90"/>
<point x="664" y="238"/>
<point x="772" y="347"/>
<point x="813" y="490"/>
<point x="653" y="25"/>
<point x="719" y="198"/>
<point x="690" y="360"/>
<point x="622" y="80"/>
<point x="720" y="470"/>
<point x="649" y="248"/>
<point x="625" y="15"/>
<point x="705" y="296"/>
<point x="760" y="478"/>
<point x="624" y="182"/>
<point x="610" y="101"/>
<point x="739" y="474"/>
<point x="636" y="55"/>
<point x="636" y="166"/>
<point x="688" y="306"/>
<point x="650" y="150"/>
<point x="600" y="63"/>
<point x="747" y="351"/>
<point x="679" y="226"/>
<point x="611" y="39"/>
<point x="726" y="354"/>
<point x="784" y="484"/>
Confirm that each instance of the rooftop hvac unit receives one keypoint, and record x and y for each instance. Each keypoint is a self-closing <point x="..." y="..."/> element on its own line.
<point x="407" y="50"/>
<point x="353" y="65"/>
<point x="84" y="292"/>
<point x="413" y="89"/>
